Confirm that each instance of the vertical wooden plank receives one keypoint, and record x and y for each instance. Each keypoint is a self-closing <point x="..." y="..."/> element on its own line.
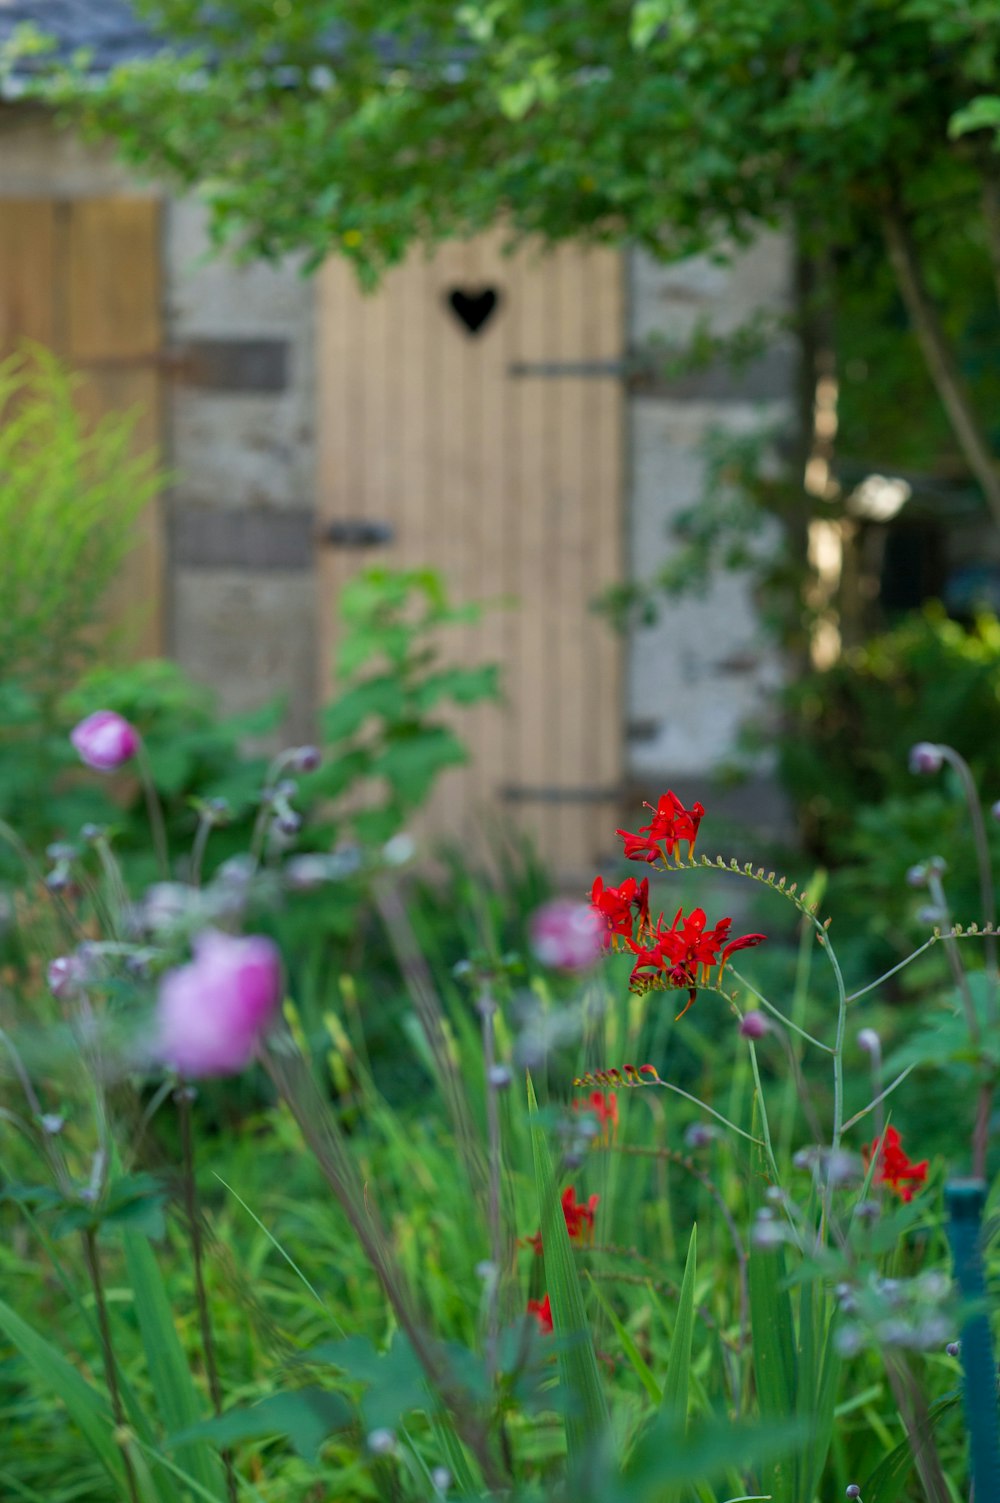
<point x="27" y="273"/>
<point x="110" y="248"/>
<point x="453" y="474"/>
<point x="536" y="683"/>
<point x="605" y="427"/>
<point x="492" y="512"/>
<point x="114" y="279"/>
<point x="571" y="628"/>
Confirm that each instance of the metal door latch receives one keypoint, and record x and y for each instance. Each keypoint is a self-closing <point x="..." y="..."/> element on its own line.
<point x="357" y="533"/>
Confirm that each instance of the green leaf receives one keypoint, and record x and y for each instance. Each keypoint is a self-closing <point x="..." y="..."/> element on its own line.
<point x="668" y="1456"/>
<point x="980" y="113"/>
<point x="412" y="763"/>
<point x="639" y="1365"/>
<point x="675" y="1387"/>
<point x="306" y="1416"/>
<point x="86" y="1408"/>
<point x="383" y="696"/>
<point x="464" y="686"/>
<point x="818" y="1374"/>
<point x="587" y="1417"/>
<point x="887" y="1481"/>
<point x="177" y="1397"/>
<point x="772" y="1339"/>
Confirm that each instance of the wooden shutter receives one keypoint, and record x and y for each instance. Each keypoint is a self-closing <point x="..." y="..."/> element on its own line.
<point x="82" y="276"/>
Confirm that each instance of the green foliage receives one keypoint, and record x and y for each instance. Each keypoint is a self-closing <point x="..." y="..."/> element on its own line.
<point x="369" y="1296"/>
<point x="843" y="757"/>
<point x="587" y="1416"/>
<point x="70" y="494"/>
<point x="669" y="124"/>
<point x="385" y="742"/>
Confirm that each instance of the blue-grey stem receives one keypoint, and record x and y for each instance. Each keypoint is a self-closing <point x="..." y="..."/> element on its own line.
<point x="965" y="1200"/>
<point x="984" y="866"/>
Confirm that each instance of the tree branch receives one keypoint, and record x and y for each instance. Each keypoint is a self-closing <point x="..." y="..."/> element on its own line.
<point x="938" y="353"/>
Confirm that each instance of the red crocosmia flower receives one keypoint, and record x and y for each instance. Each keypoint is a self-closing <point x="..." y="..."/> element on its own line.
<point x="535" y="1243"/>
<point x="640" y="847"/>
<point x="578" y="1214"/>
<point x="671" y="823"/>
<point x="615" y="906"/>
<point x="683" y="955"/>
<point x="894" y="1167"/>
<point x="542" y="1311"/>
<point x="604" y="1105"/>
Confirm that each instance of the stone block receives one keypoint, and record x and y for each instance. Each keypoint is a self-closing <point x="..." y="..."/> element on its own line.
<point x="251" y="637"/>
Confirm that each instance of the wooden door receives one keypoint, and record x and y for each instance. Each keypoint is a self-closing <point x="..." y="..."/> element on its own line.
<point x="82" y="276"/>
<point x="495" y="457"/>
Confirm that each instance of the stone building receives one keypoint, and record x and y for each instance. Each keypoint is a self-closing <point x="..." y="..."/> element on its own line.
<point x="478" y="414"/>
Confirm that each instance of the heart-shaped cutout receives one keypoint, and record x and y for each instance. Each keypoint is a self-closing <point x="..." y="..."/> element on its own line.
<point x="473" y="309"/>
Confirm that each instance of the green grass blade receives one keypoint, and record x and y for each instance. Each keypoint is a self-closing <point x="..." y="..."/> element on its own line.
<point x="178" y="1401"/>
<point x="772" y="1333"/>
<point x="675" y="1386"/>
<point x="587" y="1416"/>
<point x="890" y="1476"/>
<point x="639" y="1365"/>
<point x="456" y="1459"/>
<point x="819" y="1373"/>
<point x="86" y="1408"/>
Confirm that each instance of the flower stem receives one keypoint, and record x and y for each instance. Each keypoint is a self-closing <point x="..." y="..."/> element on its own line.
<point x="982" y="849"/>
<point x="198" y="849"/>
<point x="961" y="980"/>
<point x="93" y="1262"/>
<point x="154" y="809"/>
<point x="838" y="1043"/>
<point x="183" y="1096"/>
<point x="487" y="1010"/>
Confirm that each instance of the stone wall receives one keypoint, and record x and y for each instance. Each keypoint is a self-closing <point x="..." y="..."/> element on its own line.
<point x="705" y="667"/>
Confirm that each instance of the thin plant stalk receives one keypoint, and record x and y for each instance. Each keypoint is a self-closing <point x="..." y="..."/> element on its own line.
<point x="668" y="1085"/>
<point x="980" y="844"/>
<point x="838" y="1046"/>
<point x="882" y="1096"/>
<point x="961" y="980"/>
<point x="292" y="1080"/>
<point x="183" y="1096"/>
<point x="154" y="809"/>
<point x="984" y="1102"/>
<point x="93" y="1262"/>
<point x="886" y="975"/>
<point x="420" y="985"/>
<point x="487" y="1010"/>
<point x="205" y="827"/>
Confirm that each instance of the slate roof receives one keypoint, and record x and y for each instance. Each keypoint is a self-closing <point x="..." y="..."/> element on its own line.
<point x="109" y="29"/>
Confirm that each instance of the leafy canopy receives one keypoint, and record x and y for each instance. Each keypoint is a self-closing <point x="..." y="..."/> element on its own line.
<point x="366" y="125"/>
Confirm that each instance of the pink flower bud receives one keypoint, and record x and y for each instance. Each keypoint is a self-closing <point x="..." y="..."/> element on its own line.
<point x="66" y="975"/>
<point x="567" y="936"/>
<point x="305" y="758"/>
<point x="105" y="740"/>
<point x="212" y="1013"/>
<point x="754" y="1026"/>
<point x="869" y="1041"/>
<point x="925" y="757"/>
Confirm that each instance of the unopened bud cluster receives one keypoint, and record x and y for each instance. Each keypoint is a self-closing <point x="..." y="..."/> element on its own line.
<point x="906" y="1314"/>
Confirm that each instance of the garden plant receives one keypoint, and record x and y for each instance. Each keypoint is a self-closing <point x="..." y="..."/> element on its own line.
<point x="658" y="1219"/>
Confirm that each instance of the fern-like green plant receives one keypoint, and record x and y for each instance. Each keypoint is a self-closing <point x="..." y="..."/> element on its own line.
<point x="70" y="493"/>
